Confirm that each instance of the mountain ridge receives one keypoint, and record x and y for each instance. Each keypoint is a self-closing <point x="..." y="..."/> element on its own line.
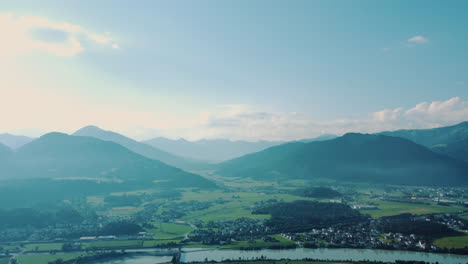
<point x="352" y="157"/>
<point x="139" y="148"/>
<point x="58" y="155"/>
<point x="219" y="150"/>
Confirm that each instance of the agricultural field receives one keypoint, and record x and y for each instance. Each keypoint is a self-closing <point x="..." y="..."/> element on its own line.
<point x="113" y="244"/>
<point x="46" y="258"/>
<point x="123" y="211"/>
<point x="153" y="243"/>
<point x="42" y="247"/>
<point x="169" y="230"/>
<point x="387" y="208"/>
<point x="11" y="248"/>
<point x="452" y="242"/>
<point x="236" y="204"/>
<point x="4" y="260"/>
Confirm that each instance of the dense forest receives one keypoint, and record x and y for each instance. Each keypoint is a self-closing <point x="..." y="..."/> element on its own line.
<point x="406" y="224"/>
<point x="299" y="216"/>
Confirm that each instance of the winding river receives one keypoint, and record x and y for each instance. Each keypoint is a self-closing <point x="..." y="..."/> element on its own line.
<point x="338" y="254"/>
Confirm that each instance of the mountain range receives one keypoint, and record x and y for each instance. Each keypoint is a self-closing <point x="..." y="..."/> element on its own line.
<point x="140" y="148"/>
<point x="13" y="141"/>
<point x="57" y="155"/>
<point x="422" y="156"/>
<point x="218" y="150"/>
<point x="210" y="150"/>
<point x="352" y="157"/>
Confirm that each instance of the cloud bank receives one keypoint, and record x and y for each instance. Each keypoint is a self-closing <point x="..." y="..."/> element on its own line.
<point x="244" y="122"/>
<point x="25" y="34"/>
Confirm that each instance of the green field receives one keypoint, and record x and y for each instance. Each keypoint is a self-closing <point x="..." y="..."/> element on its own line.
<point x="232" y="208"/>
<point x="10" y="247"/>
<point x="169" y="231"/>
<point x="46" y="258"/>
<point x="123" y="211"/>
<point x="387" y="208"/>
<point x="452" y="242"/>
<point x="43" y="247"/>
<point x="153" y="243"/>
<point x="4" y="260"/>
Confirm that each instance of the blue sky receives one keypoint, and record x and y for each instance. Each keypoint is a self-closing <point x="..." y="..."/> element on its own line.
<point x="233" y="69"/>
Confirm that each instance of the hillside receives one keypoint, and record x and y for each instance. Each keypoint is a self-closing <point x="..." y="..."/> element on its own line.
<point x="4" y="150"/>
<point x="456" y="149"/>
<point x="60" y="155"/>
<point x="5" y="155"/>
<point x="450" y="140"/>
<point x="352" y="157"/>
<point x="140" y="148"/>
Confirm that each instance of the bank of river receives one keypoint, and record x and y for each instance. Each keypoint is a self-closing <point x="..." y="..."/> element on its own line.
<point x="339" y="254"/>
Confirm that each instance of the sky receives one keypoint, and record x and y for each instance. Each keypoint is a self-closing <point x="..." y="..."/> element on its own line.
<point x="242" y="70"/>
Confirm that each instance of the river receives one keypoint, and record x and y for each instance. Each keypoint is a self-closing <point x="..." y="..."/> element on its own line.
<point x="338" y="254"/>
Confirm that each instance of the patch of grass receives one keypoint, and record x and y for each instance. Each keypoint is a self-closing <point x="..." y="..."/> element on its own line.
<point x="452" y="242"/>
<point x="43" y="247"/>
<point x="5" y="260"/>
<point x="169" y="231"/>
<point x="46" y="258"/>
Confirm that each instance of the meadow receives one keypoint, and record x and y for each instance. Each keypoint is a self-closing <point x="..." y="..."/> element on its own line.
<point x="46" y="258"/>
<point x="235" y="204"/>
<point x="388" y="208"/>
<point x="452" y="242"/>
<point x="169" y="230"/>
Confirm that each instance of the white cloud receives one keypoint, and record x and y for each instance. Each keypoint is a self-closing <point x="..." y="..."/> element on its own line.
<point x="245" y="122"/>
<point x="25" y="34"/>
<point x="418" y="40"/>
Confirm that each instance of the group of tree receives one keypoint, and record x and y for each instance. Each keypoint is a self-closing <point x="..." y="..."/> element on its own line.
<point x="21" y="217"/>
<point x="300" y="216"/>
<point x="407" y="225"/>
<point x="317" y="192"/>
